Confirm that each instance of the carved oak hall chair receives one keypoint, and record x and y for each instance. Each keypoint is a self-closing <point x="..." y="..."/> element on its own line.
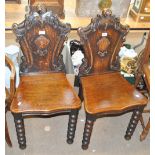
<point x="43" y="87"/>
<point x="104" y="90"/>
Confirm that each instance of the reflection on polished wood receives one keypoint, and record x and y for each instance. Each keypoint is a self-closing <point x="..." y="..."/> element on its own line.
<point x="110" y="92"/>
<point x="16" y="13"/>
<point x="44" y="93"/>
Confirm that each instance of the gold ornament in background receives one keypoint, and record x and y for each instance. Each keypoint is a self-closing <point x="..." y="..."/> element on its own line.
<point x="104" y="4"/>
<point x="128" y="65"/>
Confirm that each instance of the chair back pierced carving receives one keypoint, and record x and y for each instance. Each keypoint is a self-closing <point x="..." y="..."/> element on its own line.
<point x="102" y="40"/>
<point x="41" y="37"/>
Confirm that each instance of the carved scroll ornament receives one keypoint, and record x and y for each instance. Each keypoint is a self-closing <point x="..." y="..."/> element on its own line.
<point x="105" y="23"/>
<point x="41" y="37"/>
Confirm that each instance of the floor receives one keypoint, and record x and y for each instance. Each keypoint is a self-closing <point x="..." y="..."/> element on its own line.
<point x="47" y="137"/>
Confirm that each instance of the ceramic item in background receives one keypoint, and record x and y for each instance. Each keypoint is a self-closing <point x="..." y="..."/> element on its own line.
<point x="12" y="52"/>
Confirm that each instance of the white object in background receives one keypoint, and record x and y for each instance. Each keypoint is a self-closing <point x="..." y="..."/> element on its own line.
<point x="12" y="52"/>
<point x="77" y="58"/>
<point x="126" y="74"/>
<point x="124" y="52"/>
<point x="132" y="1"/>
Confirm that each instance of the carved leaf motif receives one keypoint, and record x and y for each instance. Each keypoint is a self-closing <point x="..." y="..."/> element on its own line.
<point x="103" y="44"/>
<point x="41" y="42"/>
<point x="41" y="50"/>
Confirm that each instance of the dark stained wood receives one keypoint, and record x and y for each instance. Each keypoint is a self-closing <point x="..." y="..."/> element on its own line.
<point x="9" y="96"/>
<point x="20" y="129"/>
<point x="72" y="126"/>
<point x="44" y="88"/>
<point x="41" y="37"/>
<point x="104" y="90"/>
<point x="133" y="122"/>
<point x="102" y="40"/>
<point x="89" y="123"/>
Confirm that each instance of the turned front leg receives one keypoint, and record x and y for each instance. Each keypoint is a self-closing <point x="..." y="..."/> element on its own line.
<point x="19" y="125"/>
<point x="87" y="131"/>
<point x="133" y="123"/>
<point x="72" y="126"/>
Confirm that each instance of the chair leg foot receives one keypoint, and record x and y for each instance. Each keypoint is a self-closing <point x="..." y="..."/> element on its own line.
<point x="19" y="124"/>
<point x="133" y="123"/>
<point x="87" y="132"/>
<point x="145" y="131"/>
<point x="72" y="126"/>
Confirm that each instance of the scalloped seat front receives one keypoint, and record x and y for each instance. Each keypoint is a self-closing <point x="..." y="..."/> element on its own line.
<point x="110" y="92"/>
<point x="41" y="93"/>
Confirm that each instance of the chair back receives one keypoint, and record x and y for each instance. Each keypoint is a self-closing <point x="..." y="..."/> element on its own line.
<point x="102" y="40"/>
<point x="41" y="37"/>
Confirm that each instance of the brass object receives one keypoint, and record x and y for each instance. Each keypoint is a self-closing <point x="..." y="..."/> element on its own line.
<point x="104" y="4"/>
<point x="128" y="65"/>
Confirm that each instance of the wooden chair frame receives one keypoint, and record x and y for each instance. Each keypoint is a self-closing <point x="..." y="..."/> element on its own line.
<point x="102" y="58"/>
<point x="41" y="37"/>
<point x="9" y="95"/>
<point x="143" y="71"/>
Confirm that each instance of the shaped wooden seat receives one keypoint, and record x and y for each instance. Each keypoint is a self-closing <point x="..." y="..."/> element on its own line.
<point x="44" y="93"/>
<point x="104" y="90"/>
<point x="43" y="88"/>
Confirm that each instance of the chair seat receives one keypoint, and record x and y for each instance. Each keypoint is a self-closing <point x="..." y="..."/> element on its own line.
<point x="49" y="92"/>
<point x="146" y="71"/>
<point x="109" y="92"/>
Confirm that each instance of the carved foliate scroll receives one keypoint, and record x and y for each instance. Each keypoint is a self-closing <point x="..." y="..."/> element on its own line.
<point x="102" y="40"/>
<point x="41" y="37"/>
